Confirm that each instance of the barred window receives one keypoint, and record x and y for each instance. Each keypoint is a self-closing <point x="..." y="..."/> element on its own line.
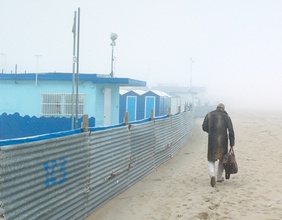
<point x="60" y="105"/>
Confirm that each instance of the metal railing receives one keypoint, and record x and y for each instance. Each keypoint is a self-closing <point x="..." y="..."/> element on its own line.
<point x="70" y="176"/>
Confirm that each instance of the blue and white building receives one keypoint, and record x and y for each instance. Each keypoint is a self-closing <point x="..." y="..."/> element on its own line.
<point x="130" y="101"/>
<point x="139" y="103"/>
<point x="50" y="95"/>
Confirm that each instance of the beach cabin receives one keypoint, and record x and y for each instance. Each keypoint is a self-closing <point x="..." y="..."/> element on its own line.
<point x="188" y="97"/>
<point x="130" y="101"/>
<point x="174" y="102"/>
<point x="156" y="100"/>
<point x="51" y="95"/>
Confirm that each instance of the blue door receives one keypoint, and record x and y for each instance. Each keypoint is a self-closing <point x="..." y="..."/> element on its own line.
<point x="149" y="104"/>
<point x="131" y="107"/>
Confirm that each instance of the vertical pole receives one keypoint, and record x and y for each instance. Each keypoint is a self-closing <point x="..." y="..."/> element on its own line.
<point x="113" y="38"/>
<point x="126" y="118"/>
<point x="85" y="123"/>
<point x="73" y="72"/>
<point x="191" y="63"/>
<point x="36" y="75"/>
<point x="152" y="115"/>
<point x="36" y="71"/>
<point x="112" y="62"/>
<point x="5" y="65"/>
<point x="3" y="69"/>
<point x="169" y="111"/>
<point x="77" y="66"/>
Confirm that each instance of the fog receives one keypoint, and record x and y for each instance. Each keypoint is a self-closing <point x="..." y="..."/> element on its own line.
<point x="235" y="45"/>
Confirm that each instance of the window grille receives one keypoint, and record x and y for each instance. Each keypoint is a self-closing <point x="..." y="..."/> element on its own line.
<point x="60" y="105"/>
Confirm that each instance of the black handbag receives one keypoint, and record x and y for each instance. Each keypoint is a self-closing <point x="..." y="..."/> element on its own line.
<point x="229" y="163"/>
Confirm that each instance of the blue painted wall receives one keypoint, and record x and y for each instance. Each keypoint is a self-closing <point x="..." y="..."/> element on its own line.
<point x="123" y="104"/>
<point x="157" y="102"/>
<point x="16" y="126"/>
<point x="122" y="107"/>
<point x="24" y="97"/>
<point x="161" y="104"/>
<point x="132" y="107"/>
<point x="150" y="103"/>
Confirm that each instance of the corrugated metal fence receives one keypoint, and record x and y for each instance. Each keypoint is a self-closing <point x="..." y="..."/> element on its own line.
<point x="69" y="176"/>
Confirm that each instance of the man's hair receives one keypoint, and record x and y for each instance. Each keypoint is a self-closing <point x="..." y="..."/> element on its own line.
<point x="220" y="106"/>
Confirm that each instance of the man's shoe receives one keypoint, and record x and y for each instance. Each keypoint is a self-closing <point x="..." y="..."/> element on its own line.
<point x="220" y="180"/>
<point x="213" y="181"/>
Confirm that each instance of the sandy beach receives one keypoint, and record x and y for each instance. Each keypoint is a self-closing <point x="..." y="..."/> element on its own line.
<point x="180" y="188"/>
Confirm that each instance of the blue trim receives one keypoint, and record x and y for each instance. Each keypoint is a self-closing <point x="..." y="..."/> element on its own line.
<point x="66" y="133"/>
<point x="141" y="121"/>
<point x="38" y="138"/>
<point x="105" y="128"/>
<point x="68" y="77"/>
<point x="161" y="117"/>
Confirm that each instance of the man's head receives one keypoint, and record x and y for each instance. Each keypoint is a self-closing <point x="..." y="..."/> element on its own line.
<point x="220" y="106"/>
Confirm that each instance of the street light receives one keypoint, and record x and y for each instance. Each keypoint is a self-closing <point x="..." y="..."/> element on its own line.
<point x="113" y="38"/>
<point x="191" y="91"/>
<point x="191" y="63"/>
<point x="36" y="75"/>
<point x="3" y="69"/>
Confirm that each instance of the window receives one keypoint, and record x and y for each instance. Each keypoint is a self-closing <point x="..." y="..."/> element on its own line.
<point x="60" y="105"/>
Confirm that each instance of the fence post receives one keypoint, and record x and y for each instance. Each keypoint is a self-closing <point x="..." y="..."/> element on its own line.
<point x="126" y="118"/>
<point x="152" y="115"/>
<point x="85" y="123"/>
<point x="169" y="112"/>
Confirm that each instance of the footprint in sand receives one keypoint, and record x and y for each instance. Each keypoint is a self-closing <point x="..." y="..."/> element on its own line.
<point x="214" y="206"/>
<point x="203" y="215"/>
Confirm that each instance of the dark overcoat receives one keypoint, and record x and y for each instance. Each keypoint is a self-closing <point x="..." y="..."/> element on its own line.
<point x="216" y="124"/>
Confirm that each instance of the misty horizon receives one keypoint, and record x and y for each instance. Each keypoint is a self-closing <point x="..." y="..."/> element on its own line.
<point x="235" y="46"/>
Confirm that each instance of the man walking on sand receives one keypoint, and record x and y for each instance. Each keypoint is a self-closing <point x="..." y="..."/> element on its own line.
<point x="216" y="124"/>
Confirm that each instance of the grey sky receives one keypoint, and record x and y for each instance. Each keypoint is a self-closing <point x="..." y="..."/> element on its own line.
<point x="236" y="45"/>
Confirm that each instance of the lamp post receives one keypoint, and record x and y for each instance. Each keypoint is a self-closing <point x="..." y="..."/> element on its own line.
<point x="192" y="96"/>
<point x="113" y="38"/>
<point x="191" y="63"/>
<point x="73" y="70"/>
<point x="3" y="69"/>
<point x="36" y="75"/>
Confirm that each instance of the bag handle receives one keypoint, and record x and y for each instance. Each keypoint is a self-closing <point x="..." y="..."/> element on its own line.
<point x="231" y="150"/>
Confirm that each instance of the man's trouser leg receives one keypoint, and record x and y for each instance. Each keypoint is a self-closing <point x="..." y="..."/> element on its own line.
<point x="220" y="170"/>
<point x="211" y="168"/>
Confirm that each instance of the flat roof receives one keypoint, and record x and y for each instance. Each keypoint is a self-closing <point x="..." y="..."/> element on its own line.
<point x="94" y="78"/>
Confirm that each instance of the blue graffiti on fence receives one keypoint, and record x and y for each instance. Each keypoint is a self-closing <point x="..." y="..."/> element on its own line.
<point x="51" y="178"/>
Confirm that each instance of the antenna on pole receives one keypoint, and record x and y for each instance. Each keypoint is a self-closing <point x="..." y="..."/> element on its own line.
<point x="75" y="77"/>
<point x="114" y="36"/>
<point x="73" y="70"/>
<point x="77" y="65"/>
